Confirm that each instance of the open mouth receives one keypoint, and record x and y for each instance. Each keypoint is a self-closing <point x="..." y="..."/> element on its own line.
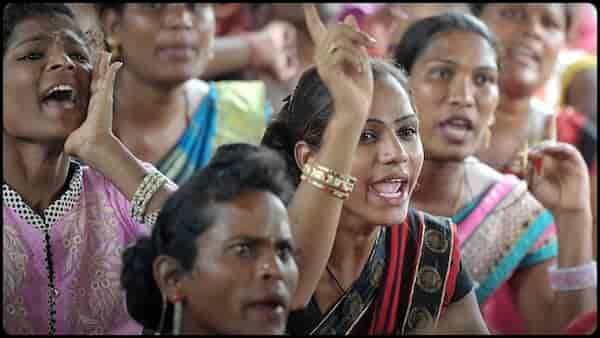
<point x="60" y="96"/>
<point x="457" y="128"/>
<point x="390" y="188"/>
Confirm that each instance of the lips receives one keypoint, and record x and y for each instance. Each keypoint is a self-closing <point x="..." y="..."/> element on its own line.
<point x="271" y="308"/>
<point x="392" y="189"/>
<point x="524" y="55"/>
<point x="456" y="129"/>
<point x="59" y="97"/>
<point x="177" y="51"/>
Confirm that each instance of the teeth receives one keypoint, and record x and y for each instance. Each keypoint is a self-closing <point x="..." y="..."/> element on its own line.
<point x="61" y="88"/>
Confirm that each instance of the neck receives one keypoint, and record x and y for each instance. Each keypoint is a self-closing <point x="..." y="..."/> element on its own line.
<point x="37" y="172"/>
<point x="353" y="243"/>
<point x="440" y="185"/>
<point x="146" y="106"/>
<point x="512" y="111"/>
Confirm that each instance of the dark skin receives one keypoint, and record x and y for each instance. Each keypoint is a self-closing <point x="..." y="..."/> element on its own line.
<point x="244" y="276"/>
<point x="531" y="36"/>
<point x="163" y="46"/>
<point x="562" y="186"/>
<point x="372" y="134"/>
<point x="38" y="135"/>
<point x="456" y="77"/>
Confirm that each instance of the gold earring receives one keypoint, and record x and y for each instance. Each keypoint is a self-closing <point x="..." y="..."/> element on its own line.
<point x="487" y="137"/>
<point x="114" y="46"/>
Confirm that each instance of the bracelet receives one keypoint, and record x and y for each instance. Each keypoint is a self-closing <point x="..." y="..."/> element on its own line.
<point x="337" y="184"/>
<point x="150" y="219"/>
<point x="573" y="278"/>
<point x="149" y="186"/>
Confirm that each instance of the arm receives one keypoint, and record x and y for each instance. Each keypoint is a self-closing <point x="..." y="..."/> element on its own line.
<point x="562" y="185"/>
<point x="461" y="317"/>
<point x="311" y="210"/>
<point x="273" y="48"/>
<point x="97" y="146"/>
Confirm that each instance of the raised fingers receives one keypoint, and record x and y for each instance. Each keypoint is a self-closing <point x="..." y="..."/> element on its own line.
<point x="315" y="26"/>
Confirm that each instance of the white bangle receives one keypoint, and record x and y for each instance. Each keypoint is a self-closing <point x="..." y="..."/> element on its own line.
<point x="149" y="186"/>
<point x="573" y="278"/>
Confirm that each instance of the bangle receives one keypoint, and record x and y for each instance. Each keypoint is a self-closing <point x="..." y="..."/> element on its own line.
<point x="573" y="278"/>
<point x="150" y="218"/>
<point x="326" y="179"/>
<point x="149" y="186"/>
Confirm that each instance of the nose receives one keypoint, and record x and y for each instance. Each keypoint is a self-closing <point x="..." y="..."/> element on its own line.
<point x="391" y="150"/>
<point x="270" y="268"/>
<point x="58" y="59"/>
<point x="532" y="27"/>
<point x="178" y="16"/>
<point x="461" y="92"/>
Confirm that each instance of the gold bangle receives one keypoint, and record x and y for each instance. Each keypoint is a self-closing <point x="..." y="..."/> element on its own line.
<point x="331" y="178"/>
<point x="334" y="192"/>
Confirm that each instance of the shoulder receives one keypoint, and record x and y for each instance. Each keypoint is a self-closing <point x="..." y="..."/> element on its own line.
<point x="481" y="176"/>
<point x="242" y="96"/>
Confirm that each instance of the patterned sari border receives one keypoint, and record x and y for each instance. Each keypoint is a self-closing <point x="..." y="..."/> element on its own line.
<point x="511" y="260"/>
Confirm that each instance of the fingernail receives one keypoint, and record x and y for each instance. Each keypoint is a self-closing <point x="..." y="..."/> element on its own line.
<point x="537" y="165"/>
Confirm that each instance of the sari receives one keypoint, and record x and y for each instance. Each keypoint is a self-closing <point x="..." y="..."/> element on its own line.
<point x="413" y="273"/>
<point x="231" y="111"/>
<point x="501" y="231"/>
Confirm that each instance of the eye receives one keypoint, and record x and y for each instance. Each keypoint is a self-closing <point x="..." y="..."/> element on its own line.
<point x="33" y="56"/>
<point x="368" y="136"/>
<point x="483" y="79"/>
<point x="407" y="133"/>
<point x="284" y="251"/>
<point x="512" y="13"/>
<point x="79" y="57"/>
<point x="243" y="250"/>
<point x="551" y="22"/>
<point x="441" y="73"/>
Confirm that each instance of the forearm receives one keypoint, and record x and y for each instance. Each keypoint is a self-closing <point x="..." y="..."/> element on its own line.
<point x="232" y="53"/>
<point x="113" y="160"/>
<point x="314" y="213"/>
<point x="575" y="249"/>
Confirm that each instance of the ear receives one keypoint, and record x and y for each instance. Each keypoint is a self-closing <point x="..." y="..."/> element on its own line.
<point x="111" y="22"/>
<point x="167" y="274"/>
<point x="302" y="152"/>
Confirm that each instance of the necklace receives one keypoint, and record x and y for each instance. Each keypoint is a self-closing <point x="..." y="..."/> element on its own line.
<point x="337" y="283"/>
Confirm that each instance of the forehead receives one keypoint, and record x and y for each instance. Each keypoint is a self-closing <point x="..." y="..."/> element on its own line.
<point x="390" y="100"/>
<point x="47" y="27"/>
<point x="256" y="214"/>
<point x="553" y="8"/>
<point x="461" y="47"/>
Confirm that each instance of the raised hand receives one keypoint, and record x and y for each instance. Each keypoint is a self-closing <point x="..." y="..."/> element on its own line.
<point x="342" y="62"/>
<point x="97" y="126"/>
<point x="276" y="48"/>
<point x="559" y="177"/>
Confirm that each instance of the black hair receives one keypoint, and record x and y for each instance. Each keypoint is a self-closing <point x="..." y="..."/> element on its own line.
<point x="477" y="10"/>
<point x="188" y="213"/>
<point x="422" y="32"/>
<point x="15" y="13"/>
<point x="307" y="111"/>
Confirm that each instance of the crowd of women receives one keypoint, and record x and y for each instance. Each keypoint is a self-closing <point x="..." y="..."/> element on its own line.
<point x="304" y="169"/>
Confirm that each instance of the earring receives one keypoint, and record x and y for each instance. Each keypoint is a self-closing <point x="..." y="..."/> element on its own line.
<point x="114" y="46"/>
<point x="487" y="137"/>
<point x="177" y="312"/>
<point x="162" y="315"/>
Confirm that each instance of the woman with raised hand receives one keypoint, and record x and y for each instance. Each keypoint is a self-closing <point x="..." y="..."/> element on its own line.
<point x="65" y="225"/>
<point x="163" y="112"/>
<point x="508" y="239"/>
<point x="220" y="257"/>
<point x="368" y="263"/>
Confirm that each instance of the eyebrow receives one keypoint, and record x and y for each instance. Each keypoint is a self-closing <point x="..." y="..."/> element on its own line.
<point x="398" y="120"/>
<point x="456" y="64"/>
<point x="72" y="36"/>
